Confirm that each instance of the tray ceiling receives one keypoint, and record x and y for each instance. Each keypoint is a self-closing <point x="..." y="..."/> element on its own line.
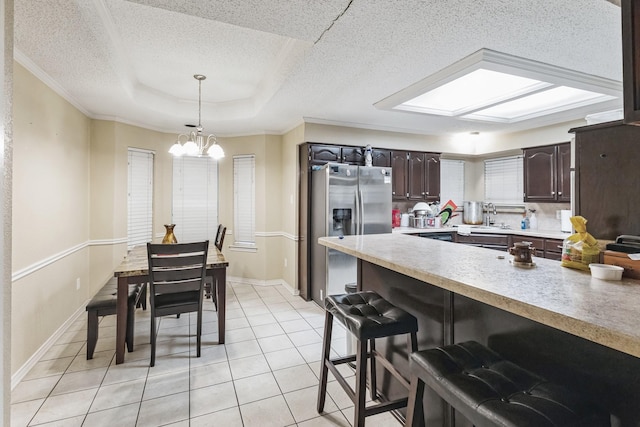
<point x="272" y="64"/>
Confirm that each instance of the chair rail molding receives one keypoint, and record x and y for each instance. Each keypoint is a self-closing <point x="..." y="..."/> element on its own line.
<point x="23" y="272"/>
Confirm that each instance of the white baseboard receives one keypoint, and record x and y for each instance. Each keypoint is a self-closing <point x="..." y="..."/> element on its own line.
<point x="44" y="348"/>
<point x="256" y="282"/>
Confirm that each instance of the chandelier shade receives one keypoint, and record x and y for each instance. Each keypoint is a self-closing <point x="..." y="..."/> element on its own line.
<point x="196" y="143"/>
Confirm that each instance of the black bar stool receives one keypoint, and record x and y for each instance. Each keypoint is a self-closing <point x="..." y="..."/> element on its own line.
<point x="490" y="391"/>
<point x="367" y="316"/>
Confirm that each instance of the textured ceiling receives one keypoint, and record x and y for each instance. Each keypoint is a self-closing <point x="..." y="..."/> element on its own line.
<point x="272" y="64"/>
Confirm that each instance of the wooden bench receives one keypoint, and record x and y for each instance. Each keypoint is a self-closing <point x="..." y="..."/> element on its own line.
<point x="104" y="304"/>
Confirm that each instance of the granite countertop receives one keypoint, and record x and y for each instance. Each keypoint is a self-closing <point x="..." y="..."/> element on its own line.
<point x="605" y="312"/>
<point x="549" y="234"/>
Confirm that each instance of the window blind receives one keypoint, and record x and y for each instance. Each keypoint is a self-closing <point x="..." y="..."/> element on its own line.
<point x="195" y="199"/>
<point x="139" y="197"/>
<point x="244" y="205"/>
<point x="452" y="181"/>
<point x="503" y="180"/>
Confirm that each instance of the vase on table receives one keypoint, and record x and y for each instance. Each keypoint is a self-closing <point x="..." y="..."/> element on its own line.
<point x="169" y="237"/>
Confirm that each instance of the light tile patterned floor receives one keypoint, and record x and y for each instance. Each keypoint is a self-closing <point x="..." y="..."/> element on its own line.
<point x="265" y="375"/>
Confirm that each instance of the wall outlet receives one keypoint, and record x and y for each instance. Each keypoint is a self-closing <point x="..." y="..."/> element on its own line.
<point x="77" y="284"/>
<point x="321" y="295"/>
<point x="557" y="214"/>
<point x="285" y="262"/>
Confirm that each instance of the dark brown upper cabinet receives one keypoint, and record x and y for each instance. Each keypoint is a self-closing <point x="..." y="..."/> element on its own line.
<point x="432" y="177"/>
<point x="547" y="173"/>
<point x="381" y="157"/>
<point x="353" y="155"/>
<point x="607" y="178"/>
<point x="416" y="176"/>
<point x="631" y="60"/>
<point x="321" y="154"/>
<point x="399" y="175"/>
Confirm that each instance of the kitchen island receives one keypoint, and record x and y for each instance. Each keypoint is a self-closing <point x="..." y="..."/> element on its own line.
<point x="562" y="323"/>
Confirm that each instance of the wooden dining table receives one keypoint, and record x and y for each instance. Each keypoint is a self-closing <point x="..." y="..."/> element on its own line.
<point x="135" y="269"/>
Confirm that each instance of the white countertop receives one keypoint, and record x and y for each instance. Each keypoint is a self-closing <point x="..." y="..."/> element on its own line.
<point x="605" y="312"/>
<point x="549" y="234"/>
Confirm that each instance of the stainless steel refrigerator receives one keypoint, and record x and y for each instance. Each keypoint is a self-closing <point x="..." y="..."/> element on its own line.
<point x="346" y="200"/>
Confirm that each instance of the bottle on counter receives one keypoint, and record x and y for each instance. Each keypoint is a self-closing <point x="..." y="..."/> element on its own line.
<point x="524" y="224"/>
<point x="533" y="221"/>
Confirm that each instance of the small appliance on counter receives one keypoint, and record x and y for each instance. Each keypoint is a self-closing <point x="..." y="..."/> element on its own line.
<point x="565" y="221"/>
<point x="618" y="254"/>
<point x="420" y="212"/>
<point x="625" y="243"/>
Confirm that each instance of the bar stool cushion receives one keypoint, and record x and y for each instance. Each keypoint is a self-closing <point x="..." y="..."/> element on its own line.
<point x="491" y="391"/>
<point x="367" y="315"/>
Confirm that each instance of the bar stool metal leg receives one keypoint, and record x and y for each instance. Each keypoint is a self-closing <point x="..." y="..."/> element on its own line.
<point x="361" y="383"/>
<point x="372" y="375"/>
<point x="415" y="412"/>
<point x="324" y="370"/>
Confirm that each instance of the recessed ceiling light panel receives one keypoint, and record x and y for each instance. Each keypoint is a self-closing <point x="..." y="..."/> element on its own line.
<point x="495" y="87"/>
<point x="479" y="88"/>
<point x="553" y="100"/>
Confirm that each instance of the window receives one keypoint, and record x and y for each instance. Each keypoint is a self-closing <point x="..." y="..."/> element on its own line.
<point x="195" y="199"/>
<point x="452" y="181"/>
<point x="139" y="197"/>
<point x="244" y="204"/>
<point x="503" y="180"/>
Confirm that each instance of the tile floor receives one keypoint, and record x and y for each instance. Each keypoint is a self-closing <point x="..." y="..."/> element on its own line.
<point x="266" y="374"/>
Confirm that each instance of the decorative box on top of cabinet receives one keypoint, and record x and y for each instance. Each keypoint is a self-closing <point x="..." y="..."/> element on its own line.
<point x="547" y="173"/>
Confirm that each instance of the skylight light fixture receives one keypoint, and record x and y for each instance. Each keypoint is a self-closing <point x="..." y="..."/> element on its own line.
<point x="495" y="87"/>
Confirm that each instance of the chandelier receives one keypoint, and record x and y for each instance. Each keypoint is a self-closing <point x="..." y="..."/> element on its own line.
<point x="196" y="144"/>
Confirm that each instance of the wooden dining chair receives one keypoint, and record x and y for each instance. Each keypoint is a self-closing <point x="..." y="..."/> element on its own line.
<point x="209" y="286"/>
<point x="176" y="281"/>
<point x="222" y="230"/>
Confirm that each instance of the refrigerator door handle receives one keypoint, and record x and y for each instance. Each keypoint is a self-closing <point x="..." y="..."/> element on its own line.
<point x="357" y="218"/>
<point x="361" y="212"/>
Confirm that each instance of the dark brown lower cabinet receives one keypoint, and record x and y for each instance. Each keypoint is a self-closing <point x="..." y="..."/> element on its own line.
<point x="553" y="249"/>
<point x="498" y="242"/>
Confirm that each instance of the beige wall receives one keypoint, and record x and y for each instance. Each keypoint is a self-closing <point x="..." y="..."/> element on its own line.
<point x="265" y="264"/>
<point x="50" y="214"/>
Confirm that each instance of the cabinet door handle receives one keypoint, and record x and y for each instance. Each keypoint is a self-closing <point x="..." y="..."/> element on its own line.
<point x="393" y="192"/>
<point x="427" y="193"/>
<point x="559" y="193"/>
<point x="553" y="193"/>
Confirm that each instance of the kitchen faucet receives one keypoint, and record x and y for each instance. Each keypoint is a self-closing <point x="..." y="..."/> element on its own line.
<point x="490" y="207"/>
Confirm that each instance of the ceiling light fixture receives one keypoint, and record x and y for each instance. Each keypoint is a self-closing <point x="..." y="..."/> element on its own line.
<point x="495" y="87"/>
<point x="197" y="144"/>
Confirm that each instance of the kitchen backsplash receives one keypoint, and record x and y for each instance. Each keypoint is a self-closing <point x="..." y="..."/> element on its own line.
<point x="548" y="215"/>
